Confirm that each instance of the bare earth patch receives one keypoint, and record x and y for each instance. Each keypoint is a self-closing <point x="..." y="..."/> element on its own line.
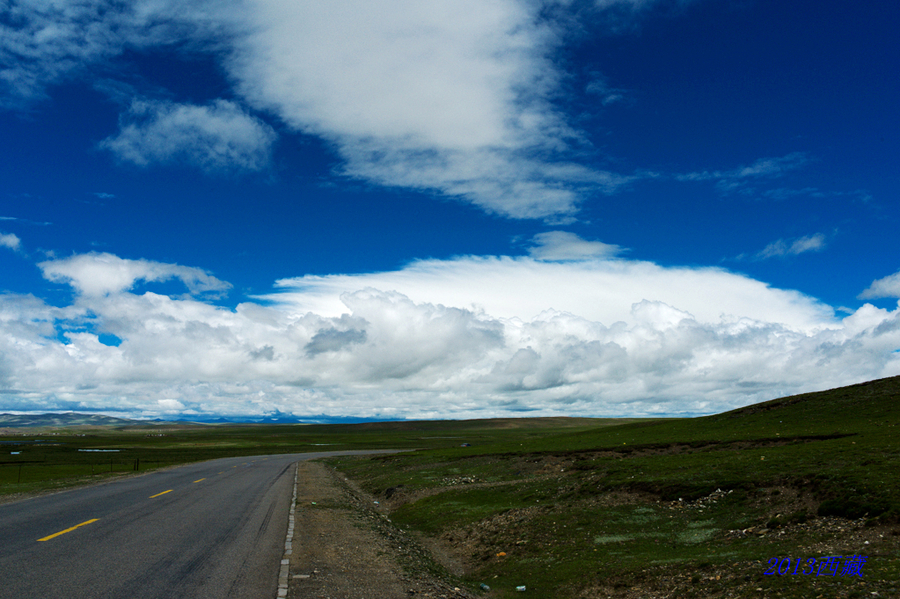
<point x="344" y="548"/>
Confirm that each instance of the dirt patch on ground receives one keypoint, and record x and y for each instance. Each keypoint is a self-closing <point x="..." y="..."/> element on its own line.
<point x="345" y="548"/>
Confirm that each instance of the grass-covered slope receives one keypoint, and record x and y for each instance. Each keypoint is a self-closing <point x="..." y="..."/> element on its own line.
<point x="668" y="507"/>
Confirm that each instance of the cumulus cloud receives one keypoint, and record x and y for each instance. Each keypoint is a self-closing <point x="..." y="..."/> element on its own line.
<point x="104" y="274"/>
<point x="887" y="287"/>
<point x="597" y="337"/>
<point x="218" y="137"/>
<point x="11" y="241"/>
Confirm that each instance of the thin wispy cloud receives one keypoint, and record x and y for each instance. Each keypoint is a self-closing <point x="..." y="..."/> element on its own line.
<point x="741" y="179"/>
<point x="608" y="94"/>
<point x="563" y="245"/>
<point x="786" y="193"/>
<point x="793" y="247"/>
<point x="25" y="221"/>
<point x="47" y="43"/>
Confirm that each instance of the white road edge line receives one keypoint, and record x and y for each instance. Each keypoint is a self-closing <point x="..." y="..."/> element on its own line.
<point x="288" y="541"/>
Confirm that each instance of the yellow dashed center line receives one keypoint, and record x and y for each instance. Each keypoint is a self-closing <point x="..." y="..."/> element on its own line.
<point x="198" y="480"/>
<point x="163" y="493"/>
<point x="62" y="532"/>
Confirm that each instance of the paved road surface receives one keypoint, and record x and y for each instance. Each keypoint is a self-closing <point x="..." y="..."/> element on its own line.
<point x="206" y="531"/>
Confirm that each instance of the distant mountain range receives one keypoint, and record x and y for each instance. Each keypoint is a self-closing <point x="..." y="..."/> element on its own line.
<point x="76" y="419"/>
<point x="66" y="419"/>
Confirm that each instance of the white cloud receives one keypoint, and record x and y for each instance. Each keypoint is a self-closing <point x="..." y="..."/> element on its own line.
<point x="453" y="97"/>
<point x="498" y="181"/>
<point x="741" y="179"/>
<point x="562" y="245"/>
<point x="887" y="287"/>
<point x="590" y="338"/>
<point x="599" y="290"/>
<point x="435" y="75"/>
<point x="44" y="43"/>
<point x="170" y="405"/>
<point x="780" y="248"/>
<point x="98" y="274"/>
<point x="11" y="241"/>
<point x="218" y="137"/>
<point x="599" y="86"/>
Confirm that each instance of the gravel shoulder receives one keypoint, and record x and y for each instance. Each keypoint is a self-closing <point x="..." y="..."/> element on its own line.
<point x="344" y="548"/>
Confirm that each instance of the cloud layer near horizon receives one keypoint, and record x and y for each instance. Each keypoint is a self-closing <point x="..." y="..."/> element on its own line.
<point x="389" y="351"/>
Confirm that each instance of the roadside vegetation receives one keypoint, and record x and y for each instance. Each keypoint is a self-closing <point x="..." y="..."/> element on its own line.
<point x="35" y="459"/>
<point x="578" y="508"/>
<point x="669" y="508"/>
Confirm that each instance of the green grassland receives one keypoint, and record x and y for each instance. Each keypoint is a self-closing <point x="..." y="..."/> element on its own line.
<point x="46" y="458"/>
<point x="680" y="508"/>
<point x="586" y="507"/>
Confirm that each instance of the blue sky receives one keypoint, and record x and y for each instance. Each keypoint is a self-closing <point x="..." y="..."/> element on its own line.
<point x="445" y="209"/>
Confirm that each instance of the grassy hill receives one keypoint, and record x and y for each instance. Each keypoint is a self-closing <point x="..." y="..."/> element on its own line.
<point x="669" y="508"/>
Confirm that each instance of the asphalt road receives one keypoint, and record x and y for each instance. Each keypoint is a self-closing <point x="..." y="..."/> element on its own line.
<point x="206" y="531"/>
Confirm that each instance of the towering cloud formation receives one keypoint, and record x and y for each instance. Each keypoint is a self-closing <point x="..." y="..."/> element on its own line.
<point x="508" y="336"/>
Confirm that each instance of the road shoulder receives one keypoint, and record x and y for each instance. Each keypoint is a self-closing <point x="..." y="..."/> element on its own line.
<point x="342" y="547"/>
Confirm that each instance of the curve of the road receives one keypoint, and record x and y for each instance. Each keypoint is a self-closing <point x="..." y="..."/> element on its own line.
<point x="209" y="530"/>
